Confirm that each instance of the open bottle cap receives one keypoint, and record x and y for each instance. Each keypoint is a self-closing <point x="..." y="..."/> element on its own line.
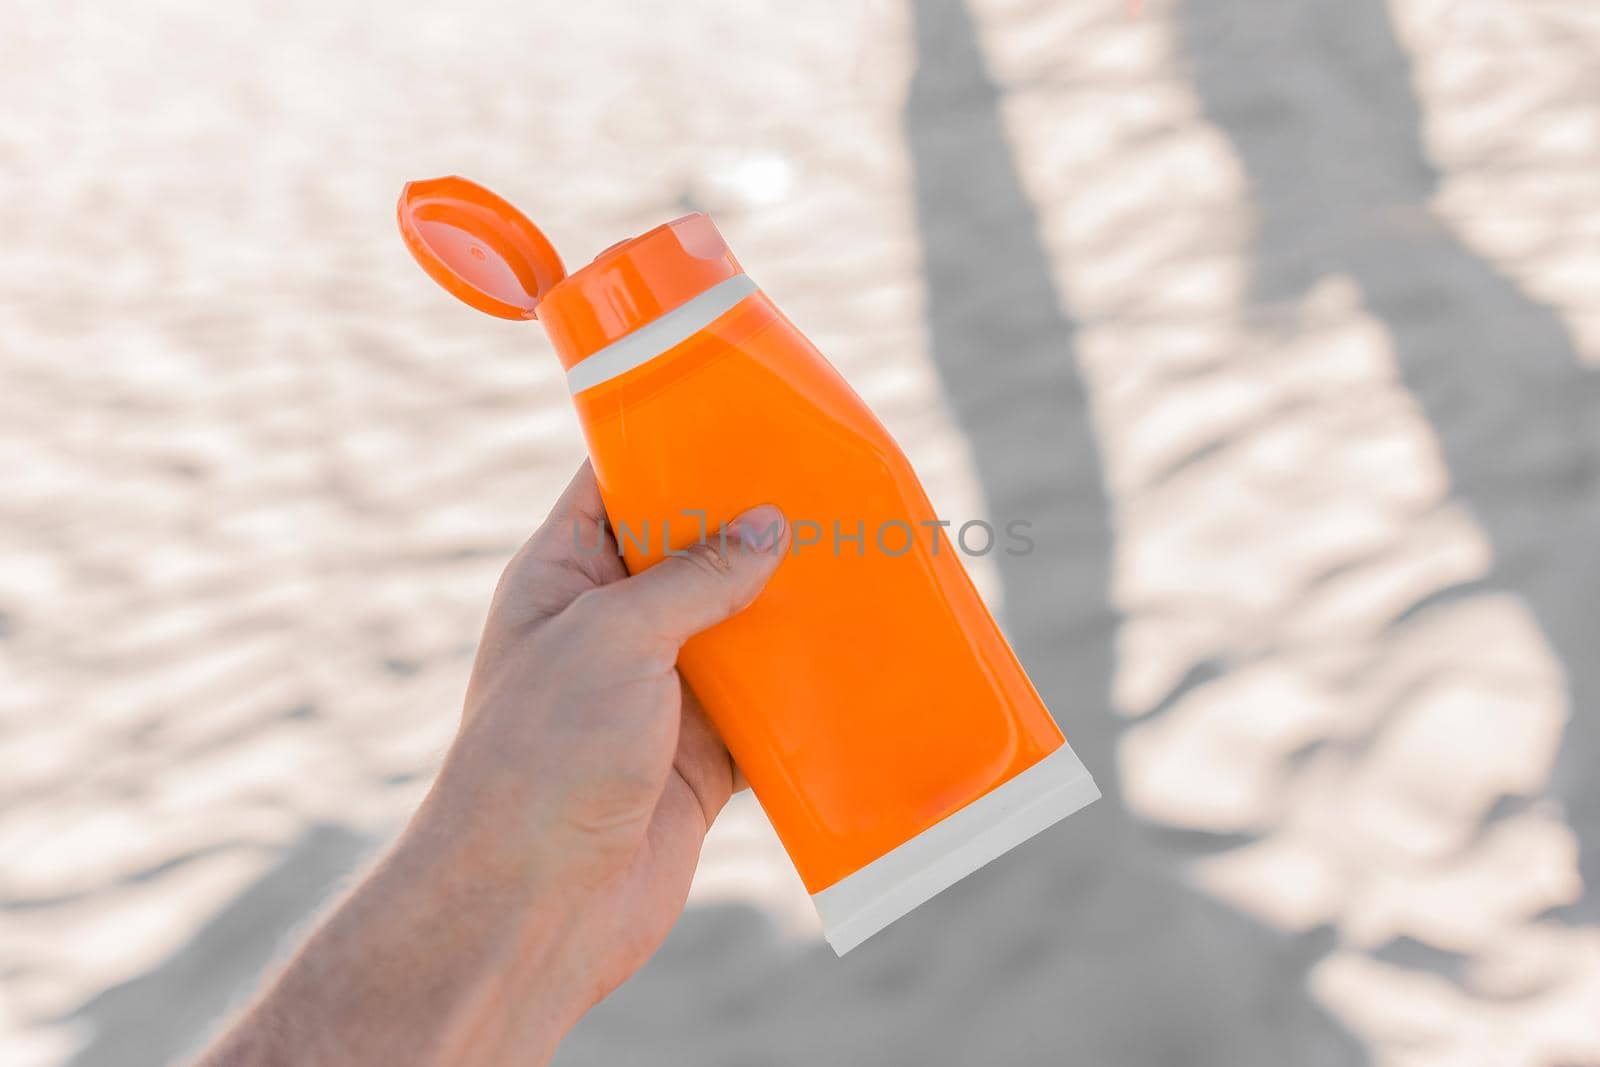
<point x="486" y="252"/>
<point x="478" y="247"/>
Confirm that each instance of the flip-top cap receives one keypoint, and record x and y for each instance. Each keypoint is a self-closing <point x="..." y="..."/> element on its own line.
<point x="486" y="253"/>
<point x="478" y="247"/>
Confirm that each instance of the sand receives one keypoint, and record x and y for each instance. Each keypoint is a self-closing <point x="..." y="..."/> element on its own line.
<point x="1282" y="326"/>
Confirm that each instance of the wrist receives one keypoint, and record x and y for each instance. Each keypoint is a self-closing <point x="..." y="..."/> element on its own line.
<point x="501" y="941"/>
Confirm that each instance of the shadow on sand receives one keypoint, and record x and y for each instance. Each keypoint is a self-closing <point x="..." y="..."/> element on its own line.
<point x="169" y="1011"/>
<point x="1317" y="99"/>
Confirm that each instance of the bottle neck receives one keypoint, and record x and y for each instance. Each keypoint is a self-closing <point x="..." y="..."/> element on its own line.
<point x="633" y="284"/>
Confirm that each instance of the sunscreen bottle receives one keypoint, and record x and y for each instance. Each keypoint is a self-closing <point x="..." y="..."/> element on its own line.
<point x="882" y="720"/>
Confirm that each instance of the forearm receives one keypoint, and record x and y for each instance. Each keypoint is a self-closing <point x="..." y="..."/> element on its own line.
<point x="558" y="842"/>
<point x="427" y="961"/>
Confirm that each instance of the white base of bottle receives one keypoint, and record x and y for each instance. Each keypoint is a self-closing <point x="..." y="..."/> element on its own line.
<point x="864" y="902"/>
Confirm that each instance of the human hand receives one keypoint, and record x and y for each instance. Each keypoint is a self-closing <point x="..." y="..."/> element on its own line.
<point x="556" y="847"/>
<point x="584" y="764"/>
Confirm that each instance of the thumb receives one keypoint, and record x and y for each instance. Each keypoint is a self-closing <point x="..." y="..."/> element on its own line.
<point x="705" y="583"/>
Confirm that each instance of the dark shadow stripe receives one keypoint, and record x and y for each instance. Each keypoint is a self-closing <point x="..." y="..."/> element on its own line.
<point x="167" y="1013"/>
<point x="1316" y="97"/>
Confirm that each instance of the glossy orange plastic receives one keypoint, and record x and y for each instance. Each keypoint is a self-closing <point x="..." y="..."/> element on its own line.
<point x="867" y="693"/>
<point x="478" y="247"/>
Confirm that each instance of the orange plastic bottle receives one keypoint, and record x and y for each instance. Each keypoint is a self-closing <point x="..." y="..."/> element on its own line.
<point x="883" y="722"/>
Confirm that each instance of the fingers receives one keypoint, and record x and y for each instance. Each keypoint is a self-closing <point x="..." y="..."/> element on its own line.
<point x="704" y="584"/>
<point x="571" y="553"/>
<point x="576" y="534"/>
<point x="579" y="501"/>
<point x="702" y="759"/>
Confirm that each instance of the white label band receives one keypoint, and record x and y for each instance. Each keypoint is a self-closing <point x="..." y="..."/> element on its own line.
<point x="653" y="338"/>
<point x="860" y="904"/>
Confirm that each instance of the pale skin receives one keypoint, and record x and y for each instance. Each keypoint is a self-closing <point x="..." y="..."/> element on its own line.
<point x="555" y="848"/>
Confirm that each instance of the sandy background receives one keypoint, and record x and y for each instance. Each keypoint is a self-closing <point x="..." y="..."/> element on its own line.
<point x="1281" y="322"/>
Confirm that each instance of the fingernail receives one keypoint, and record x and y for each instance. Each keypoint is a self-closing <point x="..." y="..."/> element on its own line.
<point x="760" y="528"/>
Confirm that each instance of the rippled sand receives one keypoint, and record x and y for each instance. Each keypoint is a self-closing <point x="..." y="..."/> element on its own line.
<point x="1282" y="323"/>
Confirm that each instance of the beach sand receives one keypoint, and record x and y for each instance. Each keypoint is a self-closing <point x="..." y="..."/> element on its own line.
<point x="1282" y="327"/>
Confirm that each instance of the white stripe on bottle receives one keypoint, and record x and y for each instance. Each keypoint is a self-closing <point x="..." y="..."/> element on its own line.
<point x="655" y="337"/>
